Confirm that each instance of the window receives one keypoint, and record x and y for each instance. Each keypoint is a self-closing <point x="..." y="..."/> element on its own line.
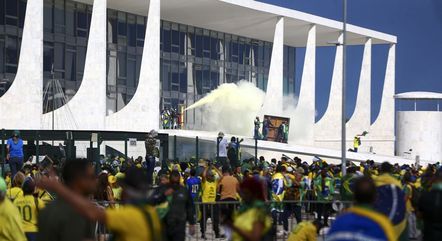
<point x="59" y="24"/>
<point x="11" y="50"/>
<point x="47" y="17"/>
<point x="70" y="63"/>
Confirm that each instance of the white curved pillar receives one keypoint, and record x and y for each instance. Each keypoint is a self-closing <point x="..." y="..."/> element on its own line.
<point x="88" y="106"/>
<point x="302" y="128"/>
<point x="383" y="126"/>
<point x="22" y="105"/>
<point x="360" y="120"/>
<point x="273" y="100"/>
<point x="328" y="128"/>
<point x="142" y="113"/>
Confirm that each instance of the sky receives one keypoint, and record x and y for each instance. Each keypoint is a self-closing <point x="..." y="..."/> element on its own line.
<point x="418" y="27"/>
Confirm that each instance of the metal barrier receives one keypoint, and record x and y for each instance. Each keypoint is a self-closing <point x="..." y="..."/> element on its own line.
<point x="210" y="218"/>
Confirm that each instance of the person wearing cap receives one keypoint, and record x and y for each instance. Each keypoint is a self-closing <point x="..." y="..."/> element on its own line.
<point x="29" y="207"/>
<point x="10" y="220"/>
<point x="136" y="221"/>
<point x="14" y="148"/>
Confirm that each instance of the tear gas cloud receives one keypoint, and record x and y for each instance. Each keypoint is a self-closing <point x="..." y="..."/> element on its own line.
<point x="232" y="108"/>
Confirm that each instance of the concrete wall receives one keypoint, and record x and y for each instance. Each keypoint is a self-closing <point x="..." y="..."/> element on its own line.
<point x="420" y="131"/>
<point x="21" y="106"/>
<point x="142" y="113"/>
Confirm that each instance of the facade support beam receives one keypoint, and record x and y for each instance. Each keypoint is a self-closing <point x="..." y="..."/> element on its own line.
<point x="22" y="105"/>
<point x="87" y="109"/>
<point x="360" y="120"/>
<point x="142" y="113"/>
<point x="306" y="103"/>
<point x="327" y="129"/>
<point x="274" y="94"/>
<point x="383" y="127"/>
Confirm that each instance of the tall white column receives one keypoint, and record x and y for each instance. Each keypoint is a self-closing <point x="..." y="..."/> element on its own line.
<point x="302" y="128"/>
<point x="22" y="105"/>
<point x="328" y="128"/>
<point x="360" y="120"/>
<point x="273" y="99"/>
<point x="383" y="127"/>
<point x="142" y="113"/>
<point x="87" y="109"/>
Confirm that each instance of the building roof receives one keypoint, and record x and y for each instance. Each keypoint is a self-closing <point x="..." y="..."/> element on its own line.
<point x="252" y="19"/>
<point x="419" y="95"/>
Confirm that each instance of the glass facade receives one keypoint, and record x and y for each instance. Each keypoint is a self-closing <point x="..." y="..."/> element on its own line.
<point x="194" y="61"/>
<point x="12" y="15"/>
<point x="66" y="27"/>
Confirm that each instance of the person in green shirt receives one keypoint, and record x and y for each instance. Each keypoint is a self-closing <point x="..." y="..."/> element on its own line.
<point x="346" y="191"/>
<point x="324" y="189"/>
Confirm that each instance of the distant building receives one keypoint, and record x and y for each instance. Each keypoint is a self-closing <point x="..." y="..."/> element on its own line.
<point x="419" y="126"/>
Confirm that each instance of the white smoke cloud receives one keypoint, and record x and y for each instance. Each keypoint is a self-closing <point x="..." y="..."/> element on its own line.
<point x="232" y="108"/>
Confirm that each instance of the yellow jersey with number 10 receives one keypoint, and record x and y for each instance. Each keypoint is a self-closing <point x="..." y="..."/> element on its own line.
<point x="27" y="206"/>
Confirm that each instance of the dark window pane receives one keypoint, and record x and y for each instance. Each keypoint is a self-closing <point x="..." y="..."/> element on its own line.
<point x="2" y="53"/>
<point x="122" y="30"/>
<point x="112" y="27"/>
<point x="81" y="22"/>
<point x="121" y="65"/>
<point x="183" y="78"/>
<point x="22" y="13"/>
<point x="166" y="40"/>
<point x="131" y="71"/>
<point x="2" y="12"/>
<point x="141" y="30"/>
<point x="166" y="75"/>
<point x="48" y="56"/>
<point x="59" y="17"/>
<point x="47" y="17"/>
<point x="58" y="56"/>
<point x="11" y="8"/>
<point x="132" y="35"/>
<point x="199" y="46"/>
<point x="70" y="20"/>
<point x="11" y="50"/>
<point x="175" y="41"/>
<point x="70" y="66"/>
<point x="81" y="56"/>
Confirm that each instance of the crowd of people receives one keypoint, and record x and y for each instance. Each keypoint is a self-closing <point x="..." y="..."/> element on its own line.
<point x="252" y="199"/>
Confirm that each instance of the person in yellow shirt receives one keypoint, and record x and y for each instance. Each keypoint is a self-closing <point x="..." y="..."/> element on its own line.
<point x="44" y="195"/>
<point x="137" y="221"/>
<point x="208" y="197"/>
<point x="29" y="207"/>
<point x="305" y="231"/>
<point x="15" y="191"/>
<point x="10" y="221"/>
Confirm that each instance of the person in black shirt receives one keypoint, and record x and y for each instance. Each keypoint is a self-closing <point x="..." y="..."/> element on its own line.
<point x="181" y="210"/>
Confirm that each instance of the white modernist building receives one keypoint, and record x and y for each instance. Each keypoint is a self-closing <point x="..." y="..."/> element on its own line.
<point x="419" y="125"/>
<point x="88" y="108"/>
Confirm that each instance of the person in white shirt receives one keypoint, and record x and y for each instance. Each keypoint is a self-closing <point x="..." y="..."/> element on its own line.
<point x="222" y="151"/>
